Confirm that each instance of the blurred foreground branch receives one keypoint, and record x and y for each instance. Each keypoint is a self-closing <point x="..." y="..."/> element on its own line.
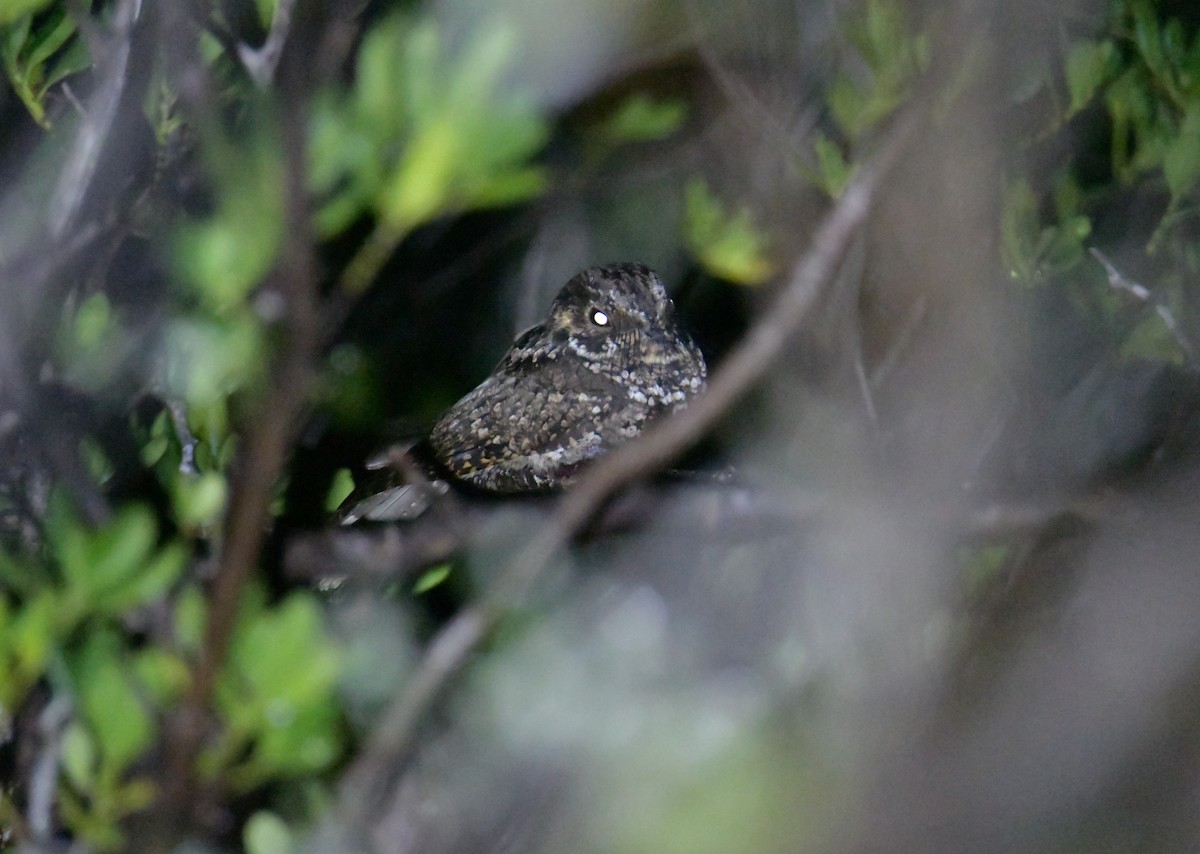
<point x="267" y="445"/>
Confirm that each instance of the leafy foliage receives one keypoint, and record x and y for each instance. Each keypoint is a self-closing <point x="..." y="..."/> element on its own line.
<point x="1145" y="77"/>
<point x="38" y="52"/>
<point x="421" y="136"/>
<point x="888" y="58"/>
<point x="727" y="244"/>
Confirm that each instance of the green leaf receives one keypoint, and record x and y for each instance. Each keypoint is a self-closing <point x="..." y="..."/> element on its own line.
<point x="79" y="757"/>
<point x="431" y="579"/>
<point x="154" y="450"/>
<point x="152" y="581"/>
<point x="726" y="244"/>
<point x="199" y="500"/>
<point x="1033" y="250"/>
<point x="109" y="702"/>
<point x="47" y="41"/>
<point x="1089" y="65"/>
<point x="98" y="465"/>
<point x="642" y="119"/>
<point x="1151" y="340"/>
<point x="834" y="172"/>
<point x="190" y="615"/>
<point x="11" y="10"/>
<point x="339" y="489"/>
<point x="207" y="360"/>
<point x="163" y="674"/>
<point x="423" y="183"/>
<point x="1147" y="36"/>
<point x="118" y="551"/>
<point x="227" y="256"/>
<point x="266" y="11"/>
<point x="27" y="51"/>
<point x="288" y="713"/>
<point x="28" y="636"/>
<point x="1181" y="161"/>
<point x="508" y="188"/>
<point x="93" y="320"/>
<point x="222" y="257"/>
<point x="267" y="647"/>
<point x="267" y="833"/>
<point x="297" y="739"/>
<point x="422" y="136"/>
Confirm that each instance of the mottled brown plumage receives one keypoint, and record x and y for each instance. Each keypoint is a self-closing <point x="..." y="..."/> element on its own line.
<point x="607" y="361"/>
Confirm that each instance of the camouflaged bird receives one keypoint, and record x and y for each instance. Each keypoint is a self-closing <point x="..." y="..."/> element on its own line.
<point x="607" y="361"/>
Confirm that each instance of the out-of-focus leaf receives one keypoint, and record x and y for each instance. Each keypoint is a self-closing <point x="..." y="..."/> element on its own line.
<point x="11" y="10"/>
<point x="160" y="108"/>
<point x="431" y="579"/>
<point x="834" y="172"/>
<point x="1089" y="65"/>
<point x="206" y="360"/>
<point x="108" y="701"/>
<point x="1151" y="341"/>
<point x="297" y="739"/>
<point x="423" y="135"/>
<point x="228" y="255"/>
<point x="641" y="119"/>
<point x="267" y="647"/>
<point x="98" y="465"/>
<point x="286" y="713"/>
<point x="1181" y="161"/>
<point x="189" y="616"/>
<point x="222" y="257"/>
<point x="164" y="674"/>
<point x="152" y="580"/>
<point x="116" y="552"/>
<point x="91" y="344"/>
<point x="266" y="10"/>
<point x="27" y="637"/>
<point x="894" y="56"/>
<point x="339" y="489"/>
<point x="199" y="500"/>
<point x="37" y="58"/>
<point x="79" y="757"/>
<point x="727" y="245"/>
<point x="267" y="833"/>
<point x="1032" y="251"/>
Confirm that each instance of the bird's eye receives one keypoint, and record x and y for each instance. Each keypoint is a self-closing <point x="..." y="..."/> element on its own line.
<point x="599" y="317"/>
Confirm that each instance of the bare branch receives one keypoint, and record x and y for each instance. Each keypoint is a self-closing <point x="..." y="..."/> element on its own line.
<point x="267" y="445"/>
<point x="52" y="723"/>
<point x="1118" y="281"/>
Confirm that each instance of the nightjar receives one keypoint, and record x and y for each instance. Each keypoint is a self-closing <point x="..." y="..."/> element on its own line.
<point x="607" y="360"/>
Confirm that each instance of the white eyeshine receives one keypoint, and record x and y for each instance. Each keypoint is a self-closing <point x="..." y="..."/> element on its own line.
<point x="599" y="318"/>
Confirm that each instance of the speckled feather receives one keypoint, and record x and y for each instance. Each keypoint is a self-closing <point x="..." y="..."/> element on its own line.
<point x="607" y="361"/>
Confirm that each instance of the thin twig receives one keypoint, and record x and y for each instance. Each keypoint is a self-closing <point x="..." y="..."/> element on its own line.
<point x="187" y="439"/>
<point x="1118" y="281"/>
<point x="366" y="782"/>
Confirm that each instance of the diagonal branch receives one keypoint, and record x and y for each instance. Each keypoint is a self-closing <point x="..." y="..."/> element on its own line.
<point x="367" y="780"/>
